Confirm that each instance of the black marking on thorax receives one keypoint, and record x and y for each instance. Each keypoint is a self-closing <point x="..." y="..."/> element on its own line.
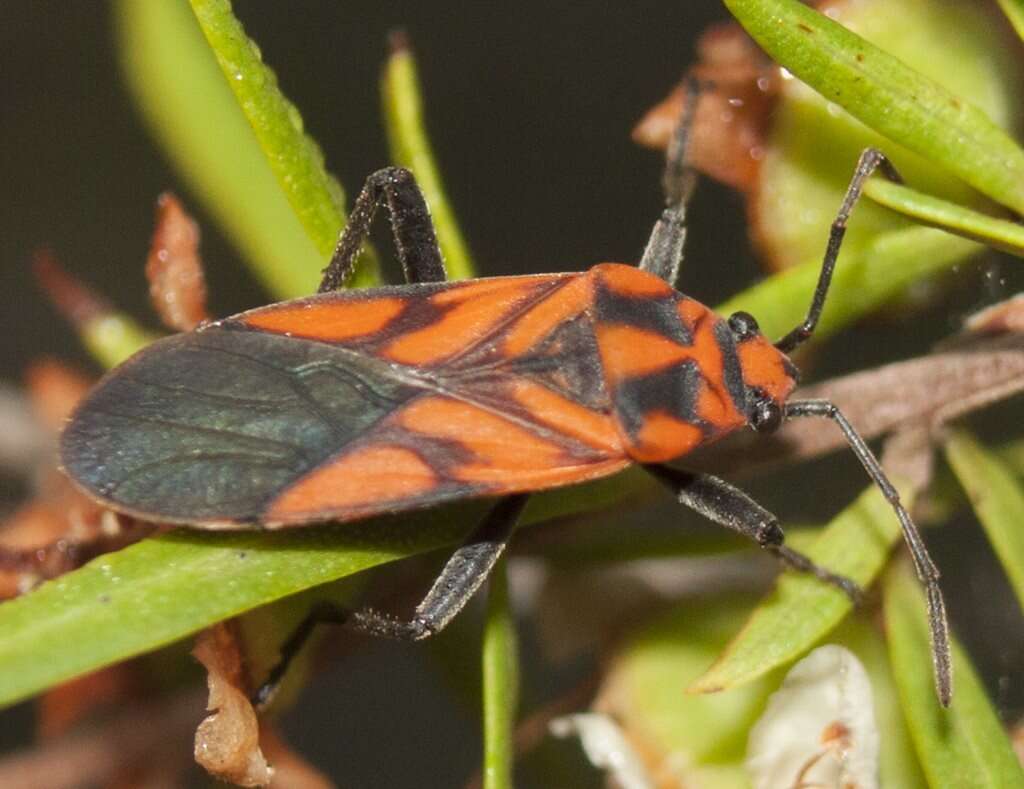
<point x="673" y="391"/>
<point x="657" y="315"/>
<point x="732" y="372"/>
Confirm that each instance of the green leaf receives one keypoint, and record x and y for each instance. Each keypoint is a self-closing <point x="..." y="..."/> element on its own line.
<point x="113" y="337"/>
<point x="864" y="280"/>
<point x="166" y="587"/>
<point x="708" y="733"/>
<point x="928" y="210"/>
<point x="190" y="108"/>
<point x="801" y="610"/>
<point x="963" y="746"/>
<point x="882" y="92"/>
<point x="297" y="161"/>
<point x="644" y="685"/>
<point x="501" y="682"/>
<point x="410" y="148"/>
<point x="812" y="144"/>
<point x="1014" y="10"/>
<point x="997" y="497"/>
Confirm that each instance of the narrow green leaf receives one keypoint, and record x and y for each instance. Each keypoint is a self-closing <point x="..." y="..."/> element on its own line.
<point x="801" y="609"/>
<point x="113" y="337"/>
<point x="410" y="148"/>
<point x="864" y="280"/>
<point x="1012" y="454"/>
<point x="882" y="92"/>
<point x="297" y="161"/>
<point x="963" y="746"/>
<point x="997" y="497"/>
<point x="936" y="212"/>
<point x="190" y="108"/>
<point x="501" y="682"/>
<point x="1014" y="10"/>
<point x="812" y="144"/>
<point x="644" y="682"/>
<point x="166" y="587"/>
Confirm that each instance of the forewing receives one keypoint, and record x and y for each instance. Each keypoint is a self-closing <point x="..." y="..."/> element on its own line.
<point x="346" y="405"/>
<point x="207" y="427"/>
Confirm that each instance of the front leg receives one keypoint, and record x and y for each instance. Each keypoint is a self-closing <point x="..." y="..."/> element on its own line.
<point x="411" y="225"/>
<point x="728" y="506"/>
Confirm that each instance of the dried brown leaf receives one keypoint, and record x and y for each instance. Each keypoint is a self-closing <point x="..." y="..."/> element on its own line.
<point x="291" y="771"/>
<point x="177" y="286"/>
<point x="66" y="705"/>
<point x="78" y="303"/>
<point x="54" y="389"/>
<point x="140" y="741"/>
<point x="1007" y="316"/>
<point x="227" y="742"/>
<point x="739" y="86"/>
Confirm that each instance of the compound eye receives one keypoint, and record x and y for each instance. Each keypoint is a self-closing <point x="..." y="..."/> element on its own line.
<point x="766" y="416"/>
<point x="743" y="326"/>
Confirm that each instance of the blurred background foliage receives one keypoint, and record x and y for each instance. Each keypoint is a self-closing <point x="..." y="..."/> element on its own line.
<point x="529" y="109"/>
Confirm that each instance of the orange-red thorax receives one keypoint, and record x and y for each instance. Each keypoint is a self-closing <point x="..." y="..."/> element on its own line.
<point x="678" y="376"/>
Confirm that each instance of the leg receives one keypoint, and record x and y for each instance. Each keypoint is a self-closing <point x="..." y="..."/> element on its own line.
<point x="729" y="506"/>
<point x="410" y="222"/>
<point x="870" y="160"/>
<point x="663" y="255"/>
<point x="461" y="576"/>
<point x="927" y="572"/>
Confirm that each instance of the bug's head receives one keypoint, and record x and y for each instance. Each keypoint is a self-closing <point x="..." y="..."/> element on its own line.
<point x="768" y="375"/>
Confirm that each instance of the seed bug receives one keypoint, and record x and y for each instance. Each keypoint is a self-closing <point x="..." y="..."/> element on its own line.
<point x="348" y="404"/>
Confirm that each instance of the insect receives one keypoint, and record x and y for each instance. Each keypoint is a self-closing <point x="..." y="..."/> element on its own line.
<point x="349" y="404"/>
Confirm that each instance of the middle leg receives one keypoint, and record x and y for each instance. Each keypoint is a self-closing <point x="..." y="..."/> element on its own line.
<point x="728" y="506"/>
<point x="411" y="225"/>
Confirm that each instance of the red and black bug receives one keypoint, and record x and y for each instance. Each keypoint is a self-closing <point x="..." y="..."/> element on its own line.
<point x="354" y="403"/>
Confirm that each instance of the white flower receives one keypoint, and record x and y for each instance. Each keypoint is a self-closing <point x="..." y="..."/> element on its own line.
<point x="819" y="728"/>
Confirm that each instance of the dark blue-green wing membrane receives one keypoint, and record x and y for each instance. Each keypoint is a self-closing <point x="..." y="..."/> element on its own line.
<point x="208" y="427"/>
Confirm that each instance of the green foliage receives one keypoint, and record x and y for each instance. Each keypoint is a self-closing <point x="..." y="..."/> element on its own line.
<point x="501" y="682"/>
<point x="883" y="93"/>
<point x="265" y="180"/>
<point x="998" y="499"/>
<point x="191" y="110"/>
<point x="965" y="745"/>
<point x="801" y="610"/>
<point x="314" y="195"/>
<point x="410" y="148"/>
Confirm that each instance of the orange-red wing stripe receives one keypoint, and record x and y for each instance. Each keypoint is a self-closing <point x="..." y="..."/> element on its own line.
<point x="537" y="323"/>
<point x="502" y="480"/>
<point x="490" y="438"/>
<point x="364" y="478"/>
<point x="474" y="288"/>
<point x="505" y="456"/>
<point x="327" y="320"/>
<point x="478" y="307"/>
<point x="593" y="428"/>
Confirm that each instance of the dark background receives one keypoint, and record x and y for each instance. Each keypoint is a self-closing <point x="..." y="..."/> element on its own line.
<point x="529" y="105"/>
